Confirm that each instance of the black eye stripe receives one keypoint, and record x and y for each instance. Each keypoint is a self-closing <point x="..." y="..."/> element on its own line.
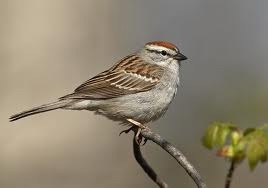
<point x="159" y="52"/>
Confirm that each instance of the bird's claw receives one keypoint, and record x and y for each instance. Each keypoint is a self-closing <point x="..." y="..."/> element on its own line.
<point x="138" y="137"/>
<point x="126" y="131"/>
<point x="144" y="141"/>
<point x="136" y="127"/>
<point x="140" y="140"/>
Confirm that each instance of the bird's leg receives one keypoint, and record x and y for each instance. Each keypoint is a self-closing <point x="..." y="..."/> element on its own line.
<point x="140" y="126"/>
<point x="137" y="124"/>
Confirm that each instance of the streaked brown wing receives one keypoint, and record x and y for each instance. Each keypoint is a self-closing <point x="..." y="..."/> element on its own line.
<point x="131" y="75"/>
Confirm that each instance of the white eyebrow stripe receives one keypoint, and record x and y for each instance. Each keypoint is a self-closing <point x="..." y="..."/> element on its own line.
<point x="160" y="48"/>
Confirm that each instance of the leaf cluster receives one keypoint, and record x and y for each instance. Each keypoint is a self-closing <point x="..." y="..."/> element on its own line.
<point x="235" y="144"/>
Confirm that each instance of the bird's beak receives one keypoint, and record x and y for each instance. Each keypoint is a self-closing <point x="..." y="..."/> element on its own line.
<point x="180" y="57"/>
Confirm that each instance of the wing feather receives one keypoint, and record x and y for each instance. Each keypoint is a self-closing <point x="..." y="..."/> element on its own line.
<point x="131" y="75"/>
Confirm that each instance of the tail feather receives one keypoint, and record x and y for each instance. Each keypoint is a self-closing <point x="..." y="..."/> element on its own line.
<point x="39" y="109"/>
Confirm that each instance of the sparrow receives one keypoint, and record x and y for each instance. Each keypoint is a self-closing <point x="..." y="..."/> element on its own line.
<point x="136" y="90"/>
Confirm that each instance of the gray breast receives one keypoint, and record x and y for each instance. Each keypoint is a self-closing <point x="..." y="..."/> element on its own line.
<point x="145" y="106"/>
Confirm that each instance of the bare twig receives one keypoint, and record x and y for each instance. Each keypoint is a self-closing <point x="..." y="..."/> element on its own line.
<point x="146" y="167"/>
<point x="229" y="176"/>
<point x="174" y="152"/>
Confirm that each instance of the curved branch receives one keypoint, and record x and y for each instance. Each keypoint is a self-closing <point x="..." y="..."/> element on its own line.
<point x="146" y="167"/>
<point x="174" y="152"/>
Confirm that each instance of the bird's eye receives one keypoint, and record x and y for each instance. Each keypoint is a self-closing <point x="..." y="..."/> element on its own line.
<point x="164" y="53"/>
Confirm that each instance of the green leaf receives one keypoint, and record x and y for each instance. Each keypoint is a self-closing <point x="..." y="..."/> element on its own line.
<point x="255" y="153"/>
<point x="222" y="134"/>
<point x="210" y="136"/>
<point x="264" y="127"/>
<point x="216" y="134"/>
<point x="249" y="130"/>
<point x="235" y="137"/>
<point x="257" y="148"/>
<point x="241" y="145"/>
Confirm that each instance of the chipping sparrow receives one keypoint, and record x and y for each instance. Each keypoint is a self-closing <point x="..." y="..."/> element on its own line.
<point x="136" y="90"/>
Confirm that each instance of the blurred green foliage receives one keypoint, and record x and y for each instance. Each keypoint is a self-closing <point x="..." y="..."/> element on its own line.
<point x="235" y="144"/>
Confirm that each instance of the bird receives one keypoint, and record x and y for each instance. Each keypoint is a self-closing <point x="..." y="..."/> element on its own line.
<point x="136" y="90"/>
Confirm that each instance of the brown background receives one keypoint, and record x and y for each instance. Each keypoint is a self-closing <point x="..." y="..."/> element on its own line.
<point x="47" y="48"/>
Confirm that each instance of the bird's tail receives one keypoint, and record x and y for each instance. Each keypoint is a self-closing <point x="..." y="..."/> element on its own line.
<point x="40" y="109"/>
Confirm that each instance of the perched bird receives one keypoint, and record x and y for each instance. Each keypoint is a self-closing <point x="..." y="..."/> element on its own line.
<point x="136" y="90"/>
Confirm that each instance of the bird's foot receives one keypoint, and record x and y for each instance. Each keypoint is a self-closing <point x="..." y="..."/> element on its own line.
<point x="136" y="127"/>
<point x="126" y="131"/>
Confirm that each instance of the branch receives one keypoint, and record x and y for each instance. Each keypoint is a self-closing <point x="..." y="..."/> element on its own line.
<point x="174" y="152"/>
<point x="146" y="167"/>
<point x="229" y="176"/>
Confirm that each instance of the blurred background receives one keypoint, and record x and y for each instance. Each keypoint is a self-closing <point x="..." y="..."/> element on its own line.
<point x="47" y="48"/>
